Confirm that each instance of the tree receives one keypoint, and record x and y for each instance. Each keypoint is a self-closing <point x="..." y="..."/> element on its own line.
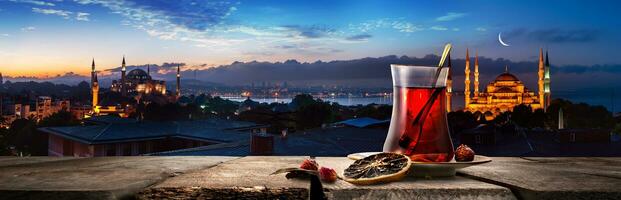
<point x="375" y="111"/>
<point x="23" y="136"/>
<point x="521" y="115"/>
<point x="617" y="129"/>
<point x="580" y="115"/>
<point x="313" y="115"/>
<point x="61" y="118"/>
<point x="302" y="100"/>
<point x="4" y="142"/>
<point x="459" y="121"/>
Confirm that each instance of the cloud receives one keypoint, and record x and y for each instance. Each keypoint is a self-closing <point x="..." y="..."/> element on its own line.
<point x="29" y="29"/>
<point x="166" y="67"/>
<point x="438" y="28"/>
<point x="182" y="20"/>
<point x="314" y="31"/>
<point x="451" y="16"/>
<point x="360" y="37"/>
<point x="396" y="24"/>
<point x="405" y="27"/>
<point x="581" y="69"/>
<point x="564" y="36"/>
<point x="554" y="35"/>
<point x="35" y="2"/>
<point x="515" y="33"/>
<point x="81" y="16"/>
<point x="286" y="46"/>
<point x="5" y="35"/>
<point x="480" y="29"/>
<point x="63" y="13"/>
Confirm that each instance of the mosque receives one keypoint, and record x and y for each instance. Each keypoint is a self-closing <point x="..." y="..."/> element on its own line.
<point x="137" y="81"/>
<point x="506" y="90"/>
<point x="137" y="84"/>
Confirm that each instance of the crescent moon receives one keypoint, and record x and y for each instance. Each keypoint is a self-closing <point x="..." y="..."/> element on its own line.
<point x="502" y="42"/>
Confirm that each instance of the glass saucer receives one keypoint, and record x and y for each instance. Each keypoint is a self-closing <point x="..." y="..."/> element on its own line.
<point x="432" y="169"/>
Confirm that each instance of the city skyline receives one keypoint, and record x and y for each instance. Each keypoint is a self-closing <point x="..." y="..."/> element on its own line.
<point x="58" y="37"/>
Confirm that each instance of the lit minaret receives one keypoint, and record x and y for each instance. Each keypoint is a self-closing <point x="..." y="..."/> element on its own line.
<point x="123" y="84"/>
<point x="546" y="82"/>
<point x="467" y="81"/>
<point x="178" y="80"/>
<point x="449" y="85"/>
<point x="540" y="82"/>
<point x="476" y="74"/>
<point x="94" y="87"/>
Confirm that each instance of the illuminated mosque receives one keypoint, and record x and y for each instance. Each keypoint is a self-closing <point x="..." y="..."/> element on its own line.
<point x="136" y="84"/>
<point x="506" y="90"/>
<point x="137" y="81"/>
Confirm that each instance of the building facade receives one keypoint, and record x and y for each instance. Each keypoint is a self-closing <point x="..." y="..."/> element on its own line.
<point x="506" y="91"/>
<point x="46" y="107"/>
<point x="43" y="108"/>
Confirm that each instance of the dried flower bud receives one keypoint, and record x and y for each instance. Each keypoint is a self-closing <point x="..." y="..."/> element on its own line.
<point x="327" y="174"/>
<point x="309" y="164"/>
<point x="464" y="153"/>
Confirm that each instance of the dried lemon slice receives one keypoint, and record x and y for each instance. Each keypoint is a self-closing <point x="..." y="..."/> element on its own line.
<point x="378" y="168"/>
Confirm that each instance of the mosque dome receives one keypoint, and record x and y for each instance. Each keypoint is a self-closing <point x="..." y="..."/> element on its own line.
<point x="138" y="74"/>
<point x="506" y="77"/>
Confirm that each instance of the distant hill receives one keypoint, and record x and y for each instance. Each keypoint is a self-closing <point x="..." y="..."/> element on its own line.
<point x="32" y="89"/>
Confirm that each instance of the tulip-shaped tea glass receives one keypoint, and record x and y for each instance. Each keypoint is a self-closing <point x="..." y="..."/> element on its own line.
<point x="418" y="127"/>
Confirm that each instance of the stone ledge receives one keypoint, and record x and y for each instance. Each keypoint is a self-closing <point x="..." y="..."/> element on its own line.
<point x="248" y="177"/>
<point x="553" y="178"/>
<point x="9" y="161"/>
<point x="94" y="178"/>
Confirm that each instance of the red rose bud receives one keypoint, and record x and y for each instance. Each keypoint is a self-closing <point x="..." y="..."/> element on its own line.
<point x="309" y="164"/>
<point x="327" y="174"/>
<point x="464" y="153"/>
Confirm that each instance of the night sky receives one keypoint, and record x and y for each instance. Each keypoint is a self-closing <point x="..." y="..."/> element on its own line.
<point x="48" y="37"/>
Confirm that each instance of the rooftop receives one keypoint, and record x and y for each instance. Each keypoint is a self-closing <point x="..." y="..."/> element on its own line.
<point x="322" y="142"/>
<point x="362" y="122"/>
<point x="114" y="129"/>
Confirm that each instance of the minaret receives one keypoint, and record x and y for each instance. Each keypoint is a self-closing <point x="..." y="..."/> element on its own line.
<point x="476" y="74"/>
<point x="178" y="80"/>
<point x="92" y="72"/>
<point x="148" y="70"/>
<point x="449" y="85"/>
<point x="546" y="82"/>
<point x="467" y="82"/>
<point x="540" y="80"/>
<point x="94" y="87"/>
<point x="561" y="120"/>
<point x="123" y="84"/>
